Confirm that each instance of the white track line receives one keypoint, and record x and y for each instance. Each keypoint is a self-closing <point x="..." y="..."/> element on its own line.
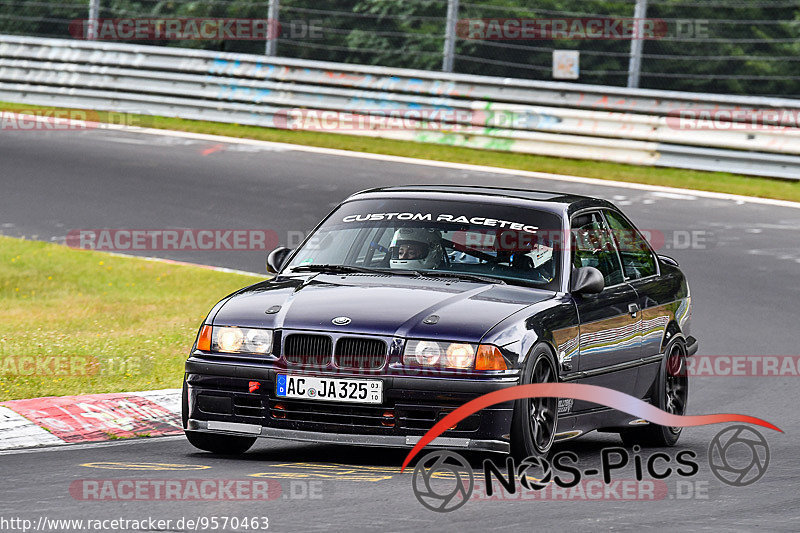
<point x="431" y="163"/>
<point x="184" y="263"/>
<point x="463" y="166"/>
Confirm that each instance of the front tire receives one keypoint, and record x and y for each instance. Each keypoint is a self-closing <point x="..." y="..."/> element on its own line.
<point x="212" y="442"/>
<point x="671" y="395"/>
<point x="534" y="422"/>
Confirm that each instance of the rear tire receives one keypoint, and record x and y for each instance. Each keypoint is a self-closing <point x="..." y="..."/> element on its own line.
<point x="212" y="442"/>
<point x="534" y="422"/>
<point x="671" y="395"/>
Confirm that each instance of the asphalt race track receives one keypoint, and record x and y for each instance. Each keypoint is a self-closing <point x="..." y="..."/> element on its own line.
<point x="743" y="267"/>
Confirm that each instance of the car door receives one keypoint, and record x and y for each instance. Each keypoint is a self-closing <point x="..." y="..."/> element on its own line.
<point x="640" y="267"/>
<point x="610" y="337"/>
<point x="656" y="294"/>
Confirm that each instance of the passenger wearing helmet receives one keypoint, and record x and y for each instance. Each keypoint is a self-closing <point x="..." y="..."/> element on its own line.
<point x="416" y="248"/>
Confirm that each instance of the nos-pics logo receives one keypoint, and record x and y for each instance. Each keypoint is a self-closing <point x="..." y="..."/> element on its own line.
<point x="444" y="481"/>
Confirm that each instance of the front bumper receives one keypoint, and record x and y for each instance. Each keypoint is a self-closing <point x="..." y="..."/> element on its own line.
<point x="691" y="346"/>
<point x="386" y="441"/>
<point x="219" y="400"/>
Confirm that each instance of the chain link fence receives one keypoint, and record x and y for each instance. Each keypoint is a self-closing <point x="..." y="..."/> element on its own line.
<point x="747" y="47"/>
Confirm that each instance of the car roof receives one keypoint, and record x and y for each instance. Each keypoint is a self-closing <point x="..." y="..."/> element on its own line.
<point x="557" y="202"/>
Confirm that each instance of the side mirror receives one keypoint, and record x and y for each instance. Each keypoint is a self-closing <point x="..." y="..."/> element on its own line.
<point x="277" y="258"/>
<point x="587" y="280"/>
<point x="669" y="260"/>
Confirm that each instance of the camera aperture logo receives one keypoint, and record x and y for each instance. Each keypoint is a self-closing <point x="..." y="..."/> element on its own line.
<point x="738" y="456"/>
<point x="443" y="481"/>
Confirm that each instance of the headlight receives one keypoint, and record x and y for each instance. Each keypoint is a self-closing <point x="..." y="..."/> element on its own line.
<point x="439" y="354"/>
<point x="423" y="353"/>
<point x="460" y="355"/>
<point x="241" y="340"/>
<point x="228" y="339"/>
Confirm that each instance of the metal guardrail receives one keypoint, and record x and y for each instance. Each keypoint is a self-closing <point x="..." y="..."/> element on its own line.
<point x="557" y="119"/>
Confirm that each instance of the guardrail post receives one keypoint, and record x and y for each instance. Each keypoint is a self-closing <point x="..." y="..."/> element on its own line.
<point x="94" y="14"/>
<point x="637" y="42"/>
<point x="450" y="36"/>
<point x="273" y="28"/>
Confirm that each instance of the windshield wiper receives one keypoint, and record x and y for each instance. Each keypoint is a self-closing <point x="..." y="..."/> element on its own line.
<point x="461" y="275"/>
<point x="351" y="269"/>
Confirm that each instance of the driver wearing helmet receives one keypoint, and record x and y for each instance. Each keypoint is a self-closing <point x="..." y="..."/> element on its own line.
<point x="416" y="248"/>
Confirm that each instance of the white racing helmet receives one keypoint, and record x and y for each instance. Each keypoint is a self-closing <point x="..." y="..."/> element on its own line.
<point x="427" y="245"/>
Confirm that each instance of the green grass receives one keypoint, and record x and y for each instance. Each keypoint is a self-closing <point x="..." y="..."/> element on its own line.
<point x="691" y="179"/>
<point x="127" y="322"/>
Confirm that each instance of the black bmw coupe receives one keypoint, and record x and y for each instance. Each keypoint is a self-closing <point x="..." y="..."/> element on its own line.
<point x="407" y="302"/>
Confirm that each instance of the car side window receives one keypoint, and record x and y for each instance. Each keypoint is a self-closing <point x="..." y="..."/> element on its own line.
<point x="637" y="259"/>
<point x="593" y="245"/>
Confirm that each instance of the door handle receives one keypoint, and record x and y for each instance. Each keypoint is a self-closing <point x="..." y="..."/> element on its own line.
<point x="633" y="309"/>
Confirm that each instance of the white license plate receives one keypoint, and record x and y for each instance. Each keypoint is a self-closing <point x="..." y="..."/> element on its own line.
<point x="329" y="389"/>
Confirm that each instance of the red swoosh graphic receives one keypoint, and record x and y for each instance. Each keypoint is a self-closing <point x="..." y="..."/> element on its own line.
<point x="589" y="393"/>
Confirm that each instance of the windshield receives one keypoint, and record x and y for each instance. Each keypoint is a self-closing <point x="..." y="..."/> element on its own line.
<point x="511" y="244"/>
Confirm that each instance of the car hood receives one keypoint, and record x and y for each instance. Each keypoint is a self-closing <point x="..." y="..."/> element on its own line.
<point x="378" y="304"/>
